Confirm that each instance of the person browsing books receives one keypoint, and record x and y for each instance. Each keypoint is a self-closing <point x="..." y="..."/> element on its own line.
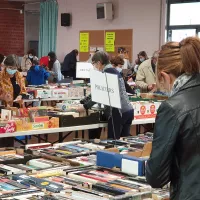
<point x="37" y="75"/>
<point x="117" y="62"/>
<point x="175" y="156"/>
<point x="120" y="119"/>
<point x="12" y="84"/>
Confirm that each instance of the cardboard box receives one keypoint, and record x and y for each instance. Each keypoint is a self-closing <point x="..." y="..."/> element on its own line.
<point x="76" y="92"/>
<point x="60" y="93"/>
<point x="10" y="127"/>
<point x="41" y="119"/>
<point x="145" y="110"/>
<point x="14" y="111"/>
<point x="43" y="94"/>
<point x="111" y="158"/>
<point x="27" y="126"/>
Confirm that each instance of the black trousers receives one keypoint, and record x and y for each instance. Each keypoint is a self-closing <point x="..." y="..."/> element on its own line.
<point x="120" y="125"/>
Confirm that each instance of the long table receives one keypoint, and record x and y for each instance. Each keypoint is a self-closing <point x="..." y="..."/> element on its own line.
<point x="49" y="99"/>
<point x="69" y="130"/>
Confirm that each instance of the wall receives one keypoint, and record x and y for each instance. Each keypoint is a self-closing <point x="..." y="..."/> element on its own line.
<point x="32" y="23"/>
<point x="143" y="16"/>
<point x="12" y="28"/>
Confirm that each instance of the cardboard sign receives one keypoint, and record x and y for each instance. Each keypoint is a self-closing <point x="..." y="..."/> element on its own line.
<point x="83" y="69"/>
<point x="105" y="89"/>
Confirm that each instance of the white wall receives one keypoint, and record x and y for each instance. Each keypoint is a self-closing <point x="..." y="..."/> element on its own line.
<point x="32" y="23"/>
<point x="143" y="16"/>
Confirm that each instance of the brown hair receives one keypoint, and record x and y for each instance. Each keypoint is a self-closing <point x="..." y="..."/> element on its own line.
<point x="117" y="60"/>
<point x="179" y="58"/>
<point x="144" y="54"/>
<point x="32" y="52"/>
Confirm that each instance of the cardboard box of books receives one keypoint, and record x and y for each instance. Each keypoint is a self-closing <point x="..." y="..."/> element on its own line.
<point x="60" y="93"/>
<point x="25" y="125"/>
<point x="7" y="126"/>
<point x="137" y="159"/>
<point x="43" y="94"/>
<point x="145" y="110"/>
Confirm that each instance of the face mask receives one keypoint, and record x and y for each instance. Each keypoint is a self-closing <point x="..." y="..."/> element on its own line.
<point x="31" y="57"/>
<point x="11" y="71"/>
<point x="142" y="59"/>
<point x="119" y="69"/>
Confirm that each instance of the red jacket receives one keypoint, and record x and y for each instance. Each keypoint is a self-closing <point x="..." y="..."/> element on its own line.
<point x="44" y="61"/>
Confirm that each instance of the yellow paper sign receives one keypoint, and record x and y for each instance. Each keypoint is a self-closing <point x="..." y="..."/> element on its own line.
<point x="110" y="41"/>
<point x="110" y="37"/>
<point x="84" y="42"/>
<point x="110" y="48"/>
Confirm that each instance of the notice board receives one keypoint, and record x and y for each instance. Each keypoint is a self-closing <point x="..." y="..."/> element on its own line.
<point x="97" y="38"/>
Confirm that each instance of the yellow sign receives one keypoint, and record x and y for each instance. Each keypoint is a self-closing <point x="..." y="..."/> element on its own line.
<point x="110" y="41"/>
<point x="110" y="48"/>
<point x="84" y="42"/>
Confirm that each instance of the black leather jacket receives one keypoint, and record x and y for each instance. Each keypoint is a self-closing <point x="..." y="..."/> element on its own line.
<point x="175" y="153"/>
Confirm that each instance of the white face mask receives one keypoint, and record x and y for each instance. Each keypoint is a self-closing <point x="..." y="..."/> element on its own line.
<point x="31" y="57"/>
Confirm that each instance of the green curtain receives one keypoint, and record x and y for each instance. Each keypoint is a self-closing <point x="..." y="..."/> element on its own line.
<point x="48" y="27"/>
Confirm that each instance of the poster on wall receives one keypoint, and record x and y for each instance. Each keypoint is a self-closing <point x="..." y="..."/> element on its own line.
<point x="110" y="41"/>
<point x="84" y="42"/>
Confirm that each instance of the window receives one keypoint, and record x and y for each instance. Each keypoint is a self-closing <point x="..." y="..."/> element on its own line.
<point x="185" y="14"/>
<point x="178" y="35"/>
<point x="183" y="19"/>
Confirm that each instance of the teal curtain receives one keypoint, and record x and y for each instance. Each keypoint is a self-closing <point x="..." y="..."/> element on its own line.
<point x="48" y="27"/>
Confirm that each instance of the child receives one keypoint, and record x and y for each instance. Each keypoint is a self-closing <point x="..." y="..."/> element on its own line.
<point x="37" y="75"/>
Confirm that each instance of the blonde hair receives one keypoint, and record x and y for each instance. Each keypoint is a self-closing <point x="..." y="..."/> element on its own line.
<point x="179" y="58"/>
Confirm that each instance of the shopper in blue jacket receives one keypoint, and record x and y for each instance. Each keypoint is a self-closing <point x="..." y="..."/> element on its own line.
<point x="37" y="75"/>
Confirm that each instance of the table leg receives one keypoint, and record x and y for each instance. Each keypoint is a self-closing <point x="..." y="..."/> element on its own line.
<point x="76" y="134"/>
<point x="60" y="137"/>
<point x="83" y="134"/>
<point x="39" y="138"/>
<point x="46" y="137"/>
<point x="26" y="139"/>
<point x="138" y="129"/>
